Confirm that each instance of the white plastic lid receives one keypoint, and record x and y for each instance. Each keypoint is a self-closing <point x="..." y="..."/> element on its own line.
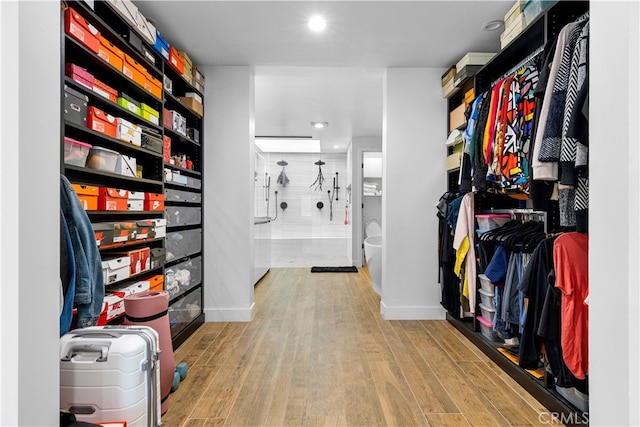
<point x="373" y="228"/>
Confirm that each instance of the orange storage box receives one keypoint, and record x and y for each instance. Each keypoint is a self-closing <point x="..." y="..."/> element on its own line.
<point x="101" y="122"/>
<point x="112" y="199"/>
<point x="134" y="70"/>
<point x="156" y="282"/>
<point x="78" y="27"/>
<point x="88" y="195"/>
<point x="176" y="61"/>
<point x="153" y="85"/>
<point x="153" y="201"/>
<point x="111" y="54"/>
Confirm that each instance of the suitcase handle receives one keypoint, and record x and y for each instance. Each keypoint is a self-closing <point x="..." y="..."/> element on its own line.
<point x="76" y="349"/>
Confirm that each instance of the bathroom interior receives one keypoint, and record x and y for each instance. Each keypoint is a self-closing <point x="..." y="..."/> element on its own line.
<point x="305" y="213"/>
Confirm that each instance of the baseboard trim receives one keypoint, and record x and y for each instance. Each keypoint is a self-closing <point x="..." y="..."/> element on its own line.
<point x="229" y="314"/>
<point x="412" y="312"/>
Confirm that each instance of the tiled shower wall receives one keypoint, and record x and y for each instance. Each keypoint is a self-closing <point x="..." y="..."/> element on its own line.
<point x="301" y="218"/>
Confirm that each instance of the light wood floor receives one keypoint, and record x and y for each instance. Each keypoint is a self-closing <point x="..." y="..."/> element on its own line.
<point x="318" y="353"/>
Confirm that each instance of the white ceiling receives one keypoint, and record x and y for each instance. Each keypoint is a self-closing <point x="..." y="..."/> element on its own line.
<point x="335" y="76"/>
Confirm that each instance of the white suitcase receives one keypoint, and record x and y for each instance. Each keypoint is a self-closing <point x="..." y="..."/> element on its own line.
<point x="111" y="373"/>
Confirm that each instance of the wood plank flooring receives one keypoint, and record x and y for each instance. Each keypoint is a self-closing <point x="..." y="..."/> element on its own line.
<point x="318" y="353"/>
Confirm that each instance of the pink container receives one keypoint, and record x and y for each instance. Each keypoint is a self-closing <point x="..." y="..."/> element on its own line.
<point x="150" y="308"/>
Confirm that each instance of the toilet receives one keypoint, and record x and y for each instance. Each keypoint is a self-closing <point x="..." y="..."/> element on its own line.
<point x="373" y="253"/>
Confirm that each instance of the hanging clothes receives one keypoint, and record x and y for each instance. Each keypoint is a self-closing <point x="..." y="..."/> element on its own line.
<point x="571" y="264"/>
<point x="89" y="283"/>
<point x="463" y="243"/>
<point x="543" y="170"/>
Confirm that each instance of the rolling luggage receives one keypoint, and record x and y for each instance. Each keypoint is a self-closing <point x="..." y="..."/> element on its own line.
<point x="111" y="373"/>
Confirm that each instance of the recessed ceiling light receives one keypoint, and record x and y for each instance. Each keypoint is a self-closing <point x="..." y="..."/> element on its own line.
<point x="319" y="125"/>
<point x="336" y="146"/>
<point x="317" y="23"/>
<point x="493" y="25"/>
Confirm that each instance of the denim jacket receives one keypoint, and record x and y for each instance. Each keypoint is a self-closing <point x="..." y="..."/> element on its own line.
<point x="89" y="283"/>
<point x="66" y="314"/>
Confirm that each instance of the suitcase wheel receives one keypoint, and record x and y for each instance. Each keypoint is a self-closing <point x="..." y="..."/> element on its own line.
<point x="182" y="370"/>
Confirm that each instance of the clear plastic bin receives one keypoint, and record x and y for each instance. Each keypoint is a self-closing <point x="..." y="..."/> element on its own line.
<point x="182" y="215"/>
<point x="181" y="277"/>
<point x="180" y="244"/>
<point x="184" y="310"/>
<point x="486" y="328"/>
<point x="102" y="159"/>
<point x="487" y="298"/>
<point x="491" y="221"/>
<point x="172" y="195"/>
<point x="487" y="312"/>
<point x="486" y="284"/>
<point x="75" y="152"/>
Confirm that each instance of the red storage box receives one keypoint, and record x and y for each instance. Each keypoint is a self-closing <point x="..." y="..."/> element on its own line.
<point x="167" y="149"/>
<point x="79" y="74"/>
<point x="105" y="90"/>
<point x="175" y="60"/>
<point x="111" y="54"/>
<point x="134" y="70"/>
<point x="101" y="122"/>
<point x="167" y="118"/>
<point x="78" y="27"/>
<point x="153" y="201"/>
<point x="112" y="199"/>
<point x="88" y="195"/>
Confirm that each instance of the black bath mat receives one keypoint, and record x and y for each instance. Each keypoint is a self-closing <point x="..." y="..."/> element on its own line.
<point x="349" y="269"/>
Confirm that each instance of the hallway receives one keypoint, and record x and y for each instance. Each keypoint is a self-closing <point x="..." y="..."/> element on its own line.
<point x="318" y="353"/>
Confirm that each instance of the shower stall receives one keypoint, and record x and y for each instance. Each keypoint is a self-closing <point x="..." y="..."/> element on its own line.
<point x="313" y="225"/>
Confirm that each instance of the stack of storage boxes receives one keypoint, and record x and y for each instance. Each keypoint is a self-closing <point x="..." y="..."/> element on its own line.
<point x="487" y="307"/>
<point x="470" y="64"/>
<point x="514" y="23"/>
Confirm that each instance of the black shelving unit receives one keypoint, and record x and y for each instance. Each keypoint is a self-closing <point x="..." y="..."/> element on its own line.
<point x="113" y="28"/>
<point x="527" y="44"/>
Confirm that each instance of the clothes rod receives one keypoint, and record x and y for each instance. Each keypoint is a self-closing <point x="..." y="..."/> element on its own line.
<point x="520" y="65"/>
<point x="524" y="211"/>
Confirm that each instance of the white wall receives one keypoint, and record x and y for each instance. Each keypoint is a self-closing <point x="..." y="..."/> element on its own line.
<point x="413" y="179"/>
<point x="614" y="214"/>
<point x="359" y="145"/>
<point x="229" y="159"/>
<point x="29" y="213"/>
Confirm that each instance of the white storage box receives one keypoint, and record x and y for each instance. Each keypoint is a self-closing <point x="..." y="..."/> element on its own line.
<point x="474" y="58"/>
<point x="486" y="328"/>
<point x="160" y="227"/>
<point x="194" y="96"/>
<point x="126" y="165"/>
<point x="487" y="312"/>
<point x="129" y="132"/>
<point x="491" y="221"/>
<point x="135" y="202"/>
<point x="132" y="288"/>
<point x="486" y="284"/>
<point x="115" y="269"/>
<point x="487" y="298"/>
